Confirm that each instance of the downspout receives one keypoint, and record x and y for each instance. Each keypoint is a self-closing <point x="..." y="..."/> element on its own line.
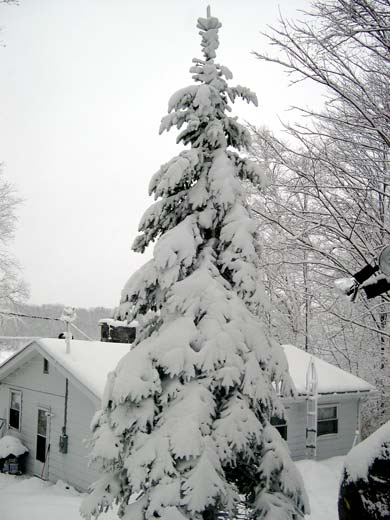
<point x="356" y="439"/>
<point x="63" y="444"/>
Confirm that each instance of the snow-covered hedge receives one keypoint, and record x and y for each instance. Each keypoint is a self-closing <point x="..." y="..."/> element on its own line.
<point x="360" y="459"/>
<point x="364" y="491"/>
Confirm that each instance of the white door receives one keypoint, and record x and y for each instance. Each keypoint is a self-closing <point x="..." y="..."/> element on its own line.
<point x="42" y="444"/>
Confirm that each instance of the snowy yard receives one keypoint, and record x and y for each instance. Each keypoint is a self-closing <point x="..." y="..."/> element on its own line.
<point x="33" y="499"/>
<point x="322" y="484"/>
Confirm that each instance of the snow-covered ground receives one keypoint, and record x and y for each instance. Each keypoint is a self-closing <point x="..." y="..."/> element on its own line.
<point x="322" y="481"/>
<point x="33" y="499"/>
<point x="24" y="498"/>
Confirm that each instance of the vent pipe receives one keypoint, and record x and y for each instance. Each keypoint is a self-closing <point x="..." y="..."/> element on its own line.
<point x="68" y="316"/>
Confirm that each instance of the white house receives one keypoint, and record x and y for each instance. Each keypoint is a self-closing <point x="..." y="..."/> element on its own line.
<point x="48" y="398"/>
<point x="338" y="406"/>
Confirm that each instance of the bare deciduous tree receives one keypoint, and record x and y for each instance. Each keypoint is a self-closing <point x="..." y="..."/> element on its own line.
<point x="12" y="288"/>
<point x="332" y="204"/>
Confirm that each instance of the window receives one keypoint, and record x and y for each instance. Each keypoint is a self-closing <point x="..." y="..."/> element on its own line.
<point x="281" y="425"/>
<point x="327" y="421"/>
<point x="42" y="430"/>
<point x="45" y="366"/>
<point x="15" y="409"/>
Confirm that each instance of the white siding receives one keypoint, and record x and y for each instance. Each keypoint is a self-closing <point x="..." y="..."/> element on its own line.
<point x="296" y="429"/>
<point x="339" y="444"/>
<point x="73" y="466"/>
<point x="327" y="445"/>
<point x="48" y="391"/>
<point x="4" y="400"/>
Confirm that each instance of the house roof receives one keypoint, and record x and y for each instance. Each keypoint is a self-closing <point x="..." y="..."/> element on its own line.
<point x="331" y="379"/>
<point x="89" y="362"/>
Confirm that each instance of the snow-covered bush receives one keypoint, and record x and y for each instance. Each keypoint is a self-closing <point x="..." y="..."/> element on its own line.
<point x="11" y="446"/>
<point x="184" y="428"/>
<point x="365" y="488"/>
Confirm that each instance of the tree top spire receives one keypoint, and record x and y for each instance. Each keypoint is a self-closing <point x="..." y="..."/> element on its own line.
<point x="209" y="32"/>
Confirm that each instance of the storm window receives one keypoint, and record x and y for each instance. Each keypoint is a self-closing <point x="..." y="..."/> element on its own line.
<point x="15" y="409"/>
<point x="327" y="420"/>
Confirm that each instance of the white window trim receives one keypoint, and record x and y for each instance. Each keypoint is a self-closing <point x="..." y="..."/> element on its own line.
<point x="12" y="391"/>
<point x="329" y="435"/>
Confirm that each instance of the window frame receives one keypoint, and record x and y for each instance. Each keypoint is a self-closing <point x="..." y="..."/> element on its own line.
<point x="334" y="419"/>
<point x="10" y="426"/>
<point x="39" y="436"/>
<point x="45" y="365"/>
<point x="282" y="424"/>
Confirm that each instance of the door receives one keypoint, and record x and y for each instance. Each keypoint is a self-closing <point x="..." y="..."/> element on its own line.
<point x="42" y="446"/>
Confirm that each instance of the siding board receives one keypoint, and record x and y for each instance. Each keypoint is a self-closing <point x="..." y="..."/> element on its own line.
<point x="48" y="391"/>
<point x="329" y="445"/>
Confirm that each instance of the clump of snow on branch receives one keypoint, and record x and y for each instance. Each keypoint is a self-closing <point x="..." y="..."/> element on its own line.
<point x="361" y="457"/>
<point x="184" y="428"/>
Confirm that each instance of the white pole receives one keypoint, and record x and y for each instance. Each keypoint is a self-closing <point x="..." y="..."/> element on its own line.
<point x="67" y="338"/>
<point x="68" y="315"/>
<point x="208" y="12"/>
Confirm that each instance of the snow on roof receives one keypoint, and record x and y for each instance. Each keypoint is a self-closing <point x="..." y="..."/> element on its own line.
<point x="88" y="361"/>
<point x="331" y="379"/>
<point x="91" y="361"/>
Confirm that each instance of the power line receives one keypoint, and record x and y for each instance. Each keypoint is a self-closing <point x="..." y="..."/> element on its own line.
<point x="20" y="315"/>
<point x="81" y="332"/>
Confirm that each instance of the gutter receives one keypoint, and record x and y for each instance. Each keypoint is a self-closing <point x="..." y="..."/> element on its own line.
<point x="362" y="394"/>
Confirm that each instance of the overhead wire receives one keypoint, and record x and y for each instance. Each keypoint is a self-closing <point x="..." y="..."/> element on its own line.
<point x="21" y="315"/>
<point x="18" y="314"/>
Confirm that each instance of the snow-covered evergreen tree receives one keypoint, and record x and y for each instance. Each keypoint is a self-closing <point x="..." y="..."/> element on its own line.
<point x="184" y="430"/>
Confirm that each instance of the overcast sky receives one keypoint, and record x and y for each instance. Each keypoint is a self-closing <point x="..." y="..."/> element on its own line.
<point x="83" y="87"/>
